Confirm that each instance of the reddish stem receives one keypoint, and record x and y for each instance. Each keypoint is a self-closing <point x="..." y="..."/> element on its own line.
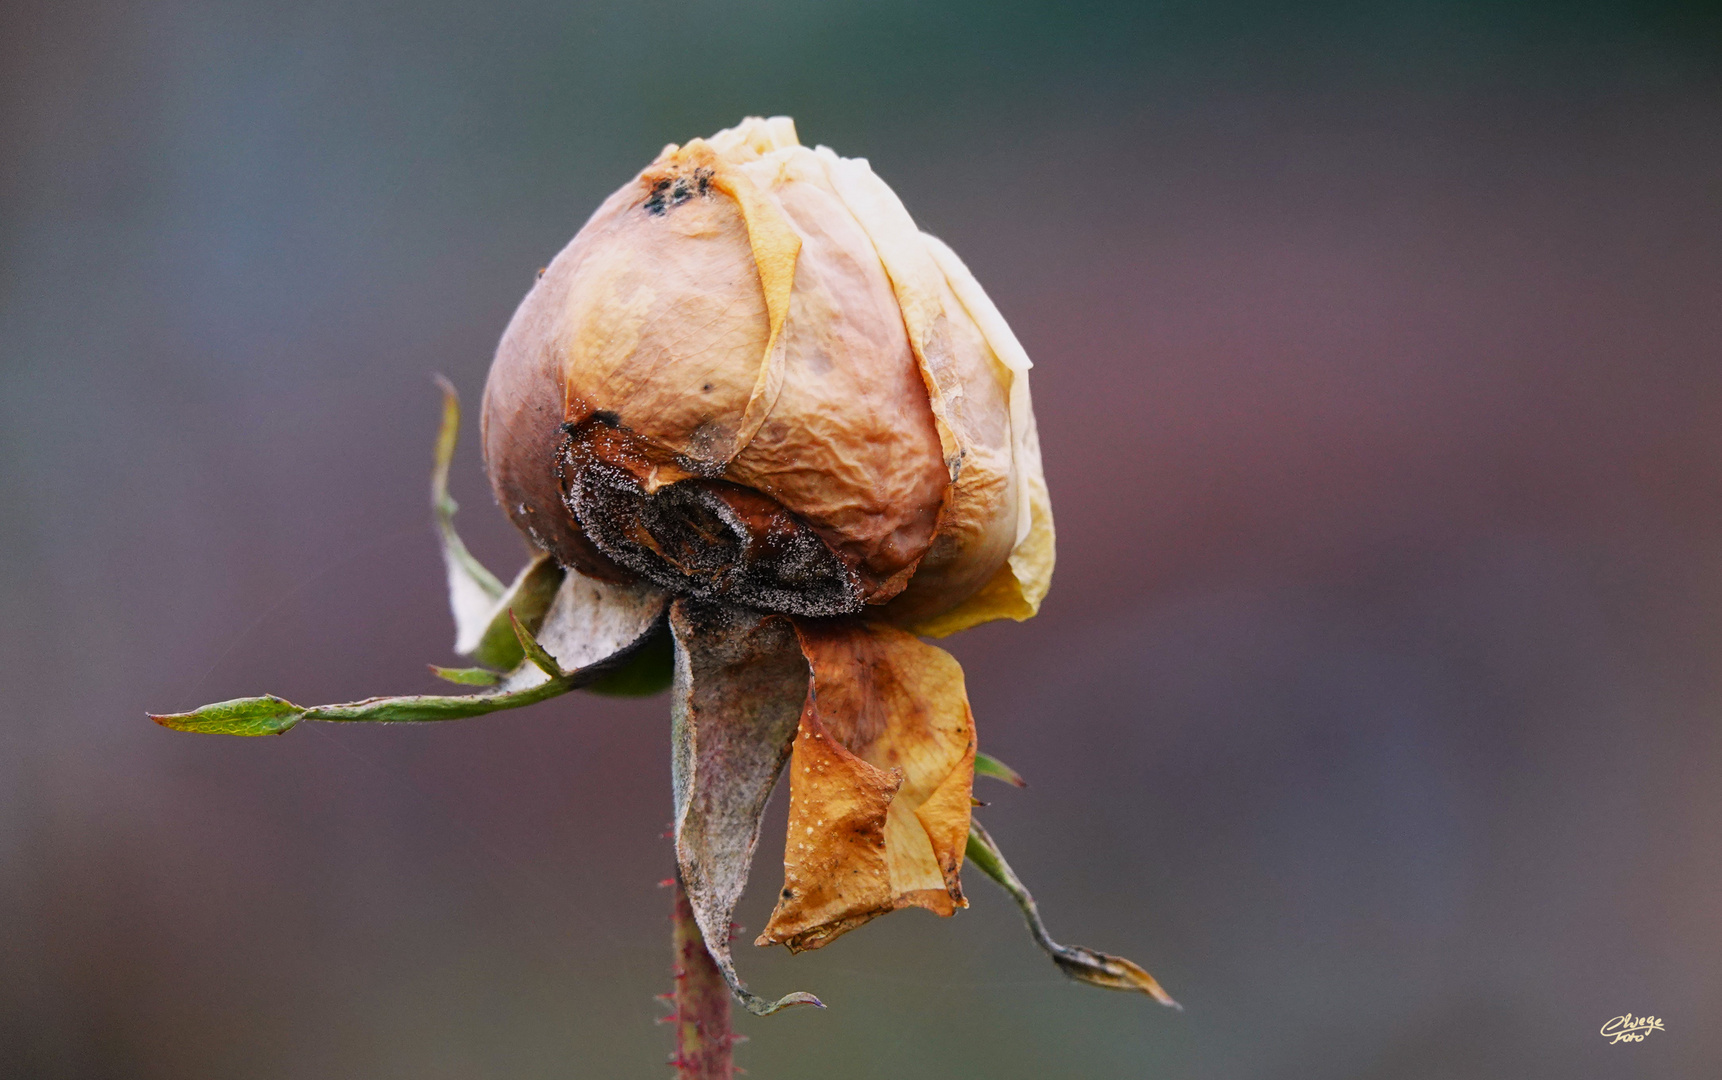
<point x="701" y="1000"/>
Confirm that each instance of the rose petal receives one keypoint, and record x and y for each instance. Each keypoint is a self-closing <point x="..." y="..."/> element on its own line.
<point x="969" y="389"/>
<point x="1016" y="590"/>
<point x="851" y="444"/>
<point x="880" y="782"/>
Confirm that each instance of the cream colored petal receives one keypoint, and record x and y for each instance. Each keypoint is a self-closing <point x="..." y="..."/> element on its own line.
<point x="755" y="136"/>
<point x="662" y="320"/>
<point x="775" y="245"/>
<point x="851" y="443"/>
<point x="1018" y="588"/>
<point x="967" y="387"/>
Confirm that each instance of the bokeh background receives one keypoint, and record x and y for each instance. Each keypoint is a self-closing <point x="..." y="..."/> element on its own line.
<point x="1377" y="706"/>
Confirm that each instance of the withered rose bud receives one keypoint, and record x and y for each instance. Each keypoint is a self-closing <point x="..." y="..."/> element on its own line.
<point x="764" y="432"/>
<point x="751" y="379"/>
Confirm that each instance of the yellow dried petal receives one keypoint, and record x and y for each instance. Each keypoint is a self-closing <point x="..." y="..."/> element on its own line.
<point x="880" y="781"/>
<point x="775" y="247"/>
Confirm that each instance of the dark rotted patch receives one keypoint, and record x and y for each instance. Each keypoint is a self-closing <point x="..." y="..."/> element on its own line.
<point x="706" y="539"/>
<point x="672" y="191"/>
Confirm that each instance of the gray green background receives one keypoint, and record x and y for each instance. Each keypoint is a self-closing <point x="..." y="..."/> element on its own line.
<point x="1377" y="705"/>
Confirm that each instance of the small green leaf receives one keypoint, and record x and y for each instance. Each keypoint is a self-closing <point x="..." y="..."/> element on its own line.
<point x="1082" y="964"/>
<point x="266" y="715"/>
<point x="466" y="676"/>
<point x="535" y="652"/>
<point x="987" y="765"/>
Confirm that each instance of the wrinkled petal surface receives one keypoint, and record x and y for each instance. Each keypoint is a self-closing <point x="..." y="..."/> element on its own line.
<point x="880" y="781"/>
<point x="969" y="391"/>
<point x="1017" y="588"/>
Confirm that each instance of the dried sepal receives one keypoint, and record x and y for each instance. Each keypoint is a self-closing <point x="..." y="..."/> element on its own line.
<point x="1082" y="964"/>
<point x="591" y="625"/>
<point x="880" y="781"/>
<point x="479" y="601"/>
<point x="740" y="682"/>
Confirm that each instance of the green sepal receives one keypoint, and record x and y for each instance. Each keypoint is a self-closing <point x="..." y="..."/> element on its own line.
<point x="426" y="708"/>
<point x="466" y="676"/>
<point x="270" y="715"/>
<point x="647" y="671"/>
<point x="266" y="715"/>
<point x="527" y="598"/>
<point x="540" y="657"/>
<point x="469" y="581"/>
<point x="987" y="765"/>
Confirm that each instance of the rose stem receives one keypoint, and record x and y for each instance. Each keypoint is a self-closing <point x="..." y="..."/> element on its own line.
<point x="701" y="1000"/>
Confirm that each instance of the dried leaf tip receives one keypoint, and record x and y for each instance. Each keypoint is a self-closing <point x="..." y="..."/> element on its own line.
<point x="1082" y="964"/>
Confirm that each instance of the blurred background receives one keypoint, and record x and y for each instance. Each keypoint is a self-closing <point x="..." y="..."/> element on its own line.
<point x="1375" y="707"/>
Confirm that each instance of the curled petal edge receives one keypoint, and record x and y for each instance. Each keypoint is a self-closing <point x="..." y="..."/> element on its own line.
<point x="1019" y="586"/>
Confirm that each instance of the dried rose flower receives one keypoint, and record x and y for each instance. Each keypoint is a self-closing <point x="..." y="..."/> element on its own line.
<point x="761" y="430"/>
